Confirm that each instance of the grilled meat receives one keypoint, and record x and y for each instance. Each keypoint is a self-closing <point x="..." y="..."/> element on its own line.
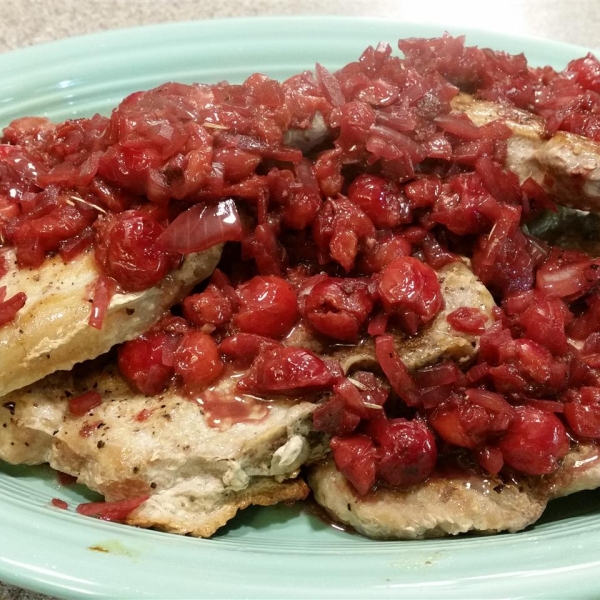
<point x="437" y="341"/>
<point x="445" y="505"/>
<point x="566" y="165"/>
<point x="51" y="331"/>
<point x="452" y="502"/>
<point x="197" y="467"/>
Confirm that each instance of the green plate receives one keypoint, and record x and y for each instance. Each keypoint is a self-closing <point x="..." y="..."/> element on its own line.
<point x="264" y="553"/>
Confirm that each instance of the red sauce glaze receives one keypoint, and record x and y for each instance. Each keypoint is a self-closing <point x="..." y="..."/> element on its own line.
<point x="4" y="265"/>
<point x="88" y="429"/>
<point x="197" y="360"/>
<point x="65" y="479"/>
<point x="143" y="415"/>
<point x="104" y="289"/>
<point x="467" y="320"/>
<point x="223" y="410"/>
<point x="127" y="251"/>
<point x="338" y="308"/>
<point x="410" y="290"/>
<point x="267" y="307"/>
<point x="147" y="361"/>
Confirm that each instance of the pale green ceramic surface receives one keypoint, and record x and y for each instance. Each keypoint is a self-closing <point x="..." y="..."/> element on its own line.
<point x="266" y="553"/>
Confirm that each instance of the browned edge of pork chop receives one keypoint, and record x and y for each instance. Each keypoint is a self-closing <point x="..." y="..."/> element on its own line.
<point x="566" y="165"/>
<point x="455" y="502"/>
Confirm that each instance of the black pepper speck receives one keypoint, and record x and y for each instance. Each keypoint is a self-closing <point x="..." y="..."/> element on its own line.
<point x="10" y="406"/>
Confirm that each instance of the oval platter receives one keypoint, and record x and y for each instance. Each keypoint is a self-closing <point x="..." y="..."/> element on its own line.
<point x="281" y="551"/>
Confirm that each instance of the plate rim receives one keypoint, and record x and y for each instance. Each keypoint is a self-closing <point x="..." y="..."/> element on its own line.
<point x="115" y="33"/>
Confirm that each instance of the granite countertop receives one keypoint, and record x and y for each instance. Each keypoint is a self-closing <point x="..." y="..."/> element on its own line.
<point x="27" y="22"/>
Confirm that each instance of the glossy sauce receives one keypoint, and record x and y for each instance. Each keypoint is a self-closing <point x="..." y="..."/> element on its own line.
<point x="223" y="406"/>
<point x="64" y="479"/>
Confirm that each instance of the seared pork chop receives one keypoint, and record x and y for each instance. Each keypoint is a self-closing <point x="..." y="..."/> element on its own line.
<point x="438" y="340"/>
<point x="197" y="466"/>
<point x="580" y="471"/>
<point x="566" y="165"/>
<point x="444" y="505"/>
<point x="51" y="332"/>
<point x="452" y="503"/>
<point x="308" y="139"/>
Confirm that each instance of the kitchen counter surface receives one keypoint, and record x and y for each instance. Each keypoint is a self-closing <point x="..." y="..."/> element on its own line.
<point x="26" y="22"/>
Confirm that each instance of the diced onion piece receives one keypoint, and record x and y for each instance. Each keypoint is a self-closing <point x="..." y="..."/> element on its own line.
<point x="330" y="86"/>
<point x="111" y="511"/>
<point x="81" y="405"/>
<point x="9" y="308"/>
<point x="201" y="227"/>
<point x="103" y="292"/>
<point x="395" y="370"/>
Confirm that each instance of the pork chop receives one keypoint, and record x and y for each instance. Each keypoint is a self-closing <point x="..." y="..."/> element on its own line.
<point x="452" y="503"/>
<point x="438" y="340"/>
<point x="198" y="467"/>
<point x="566" y="165"/>
<point x="580" y="471"/>
<point x="444" y="505"/>
<point x="309" y="138"/>
<point x="51" y="331"/>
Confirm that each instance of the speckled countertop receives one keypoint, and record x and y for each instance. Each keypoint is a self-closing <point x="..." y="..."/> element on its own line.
<point x="26" y="22"/>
